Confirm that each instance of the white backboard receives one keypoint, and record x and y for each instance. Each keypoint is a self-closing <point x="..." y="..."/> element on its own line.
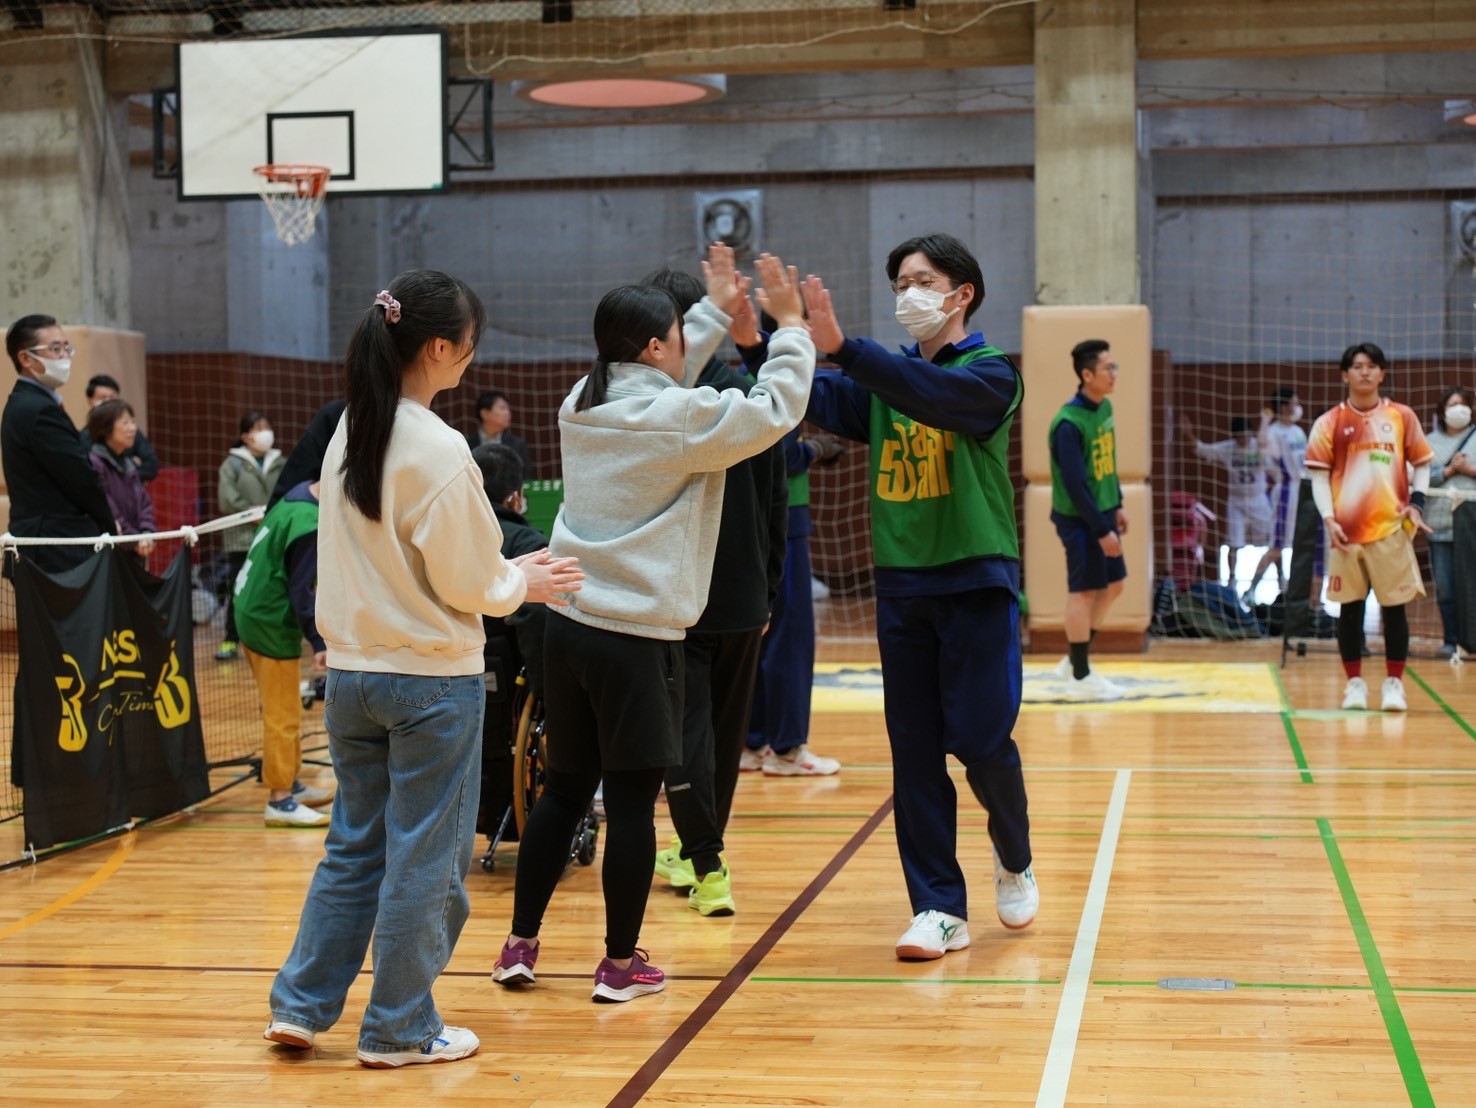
<point x="370" y="106"/>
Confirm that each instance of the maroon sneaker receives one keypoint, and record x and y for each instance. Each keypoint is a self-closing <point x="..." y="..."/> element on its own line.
<point x="613" y="984"/>
<point x="515" y="964"/>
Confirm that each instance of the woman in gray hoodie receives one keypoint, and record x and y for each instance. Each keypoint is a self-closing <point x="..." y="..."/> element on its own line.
<point x="644" y="458"/>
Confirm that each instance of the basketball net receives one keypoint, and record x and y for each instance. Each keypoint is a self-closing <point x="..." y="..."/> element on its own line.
<point x="293" y="194"/>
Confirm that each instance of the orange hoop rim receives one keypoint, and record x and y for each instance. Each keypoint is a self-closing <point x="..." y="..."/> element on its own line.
<point x="308" y="180"/>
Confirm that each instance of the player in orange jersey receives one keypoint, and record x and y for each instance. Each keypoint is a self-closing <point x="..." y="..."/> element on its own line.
<point x="1356" y="456"/>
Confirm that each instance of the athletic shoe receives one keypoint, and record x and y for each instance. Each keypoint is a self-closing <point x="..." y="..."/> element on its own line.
<point x="931" y="935"/>
<point x="1093" y="687"/>
<point x="515" y="963"/>
<point x="615" y="985"/>
<point x="713" y="895"/>
<point x="289" y="1034"/>
<point x="674" y="868"/>
<point x="1447" y="650"/>
<point x="1392" y="697"/>
<point x="289" y="813"/>
<point x="1064" y="669"/>
<point x="226" y="651"/>
<point x="451" y="1044"/>
<point x="753" y="760"/>
<point x="311" y="795"/>
<point x="798" y="762"/>
<point x="1016" y="897"/>
<point x="1355" y="695"/>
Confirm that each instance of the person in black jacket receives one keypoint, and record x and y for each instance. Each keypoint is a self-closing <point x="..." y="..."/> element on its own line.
<point x="305" y="463"/>
<point x="102" y="387"/>
<point x="722" y="651"/>
<point x="54" y="491"/>
<point x="494" y="417"/>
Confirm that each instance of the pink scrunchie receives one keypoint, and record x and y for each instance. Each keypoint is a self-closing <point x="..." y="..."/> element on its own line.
<point x="390" y="305"/>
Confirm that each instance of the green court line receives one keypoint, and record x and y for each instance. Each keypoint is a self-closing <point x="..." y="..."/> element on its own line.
<point x="1289" y="727"/>
<point x="1310" y="986"/>
<point x="899" y="981"/>
<point x="1404" y="1048"/>
<point x="1446" y="708"/>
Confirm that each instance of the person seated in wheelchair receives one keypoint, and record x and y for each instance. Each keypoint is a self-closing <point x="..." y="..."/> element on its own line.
<point x="514" y="644"/>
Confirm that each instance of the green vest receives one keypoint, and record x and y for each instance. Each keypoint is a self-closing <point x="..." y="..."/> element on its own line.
<point x="799" y="490"/>
<point x="1099" y="442"/>
<point x="265" y="619"/>
<point x="938" y="497"/>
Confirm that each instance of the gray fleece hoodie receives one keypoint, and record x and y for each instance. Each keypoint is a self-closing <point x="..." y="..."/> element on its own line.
<point x="644" y="472"/>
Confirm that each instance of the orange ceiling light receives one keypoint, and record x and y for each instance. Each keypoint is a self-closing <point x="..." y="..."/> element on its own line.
<point x="624" y="92"/>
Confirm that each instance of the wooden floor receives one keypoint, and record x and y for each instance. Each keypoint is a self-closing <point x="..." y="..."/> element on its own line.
<point x="1324" y="863"/>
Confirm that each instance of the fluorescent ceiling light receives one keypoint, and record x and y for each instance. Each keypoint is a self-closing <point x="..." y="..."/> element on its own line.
<point x="624" y="92"/>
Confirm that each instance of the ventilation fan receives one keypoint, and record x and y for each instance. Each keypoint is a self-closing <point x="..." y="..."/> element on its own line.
<point x="735" y="218"/>
<point x="1463" y="223"/>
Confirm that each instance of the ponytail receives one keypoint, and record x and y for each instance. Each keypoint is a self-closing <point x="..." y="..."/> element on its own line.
<point x="595" y="386"/>
<point x="419" y="305"/>
<point x="625" y="321"/>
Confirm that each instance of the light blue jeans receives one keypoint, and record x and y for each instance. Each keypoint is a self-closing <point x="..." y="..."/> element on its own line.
<point x="407" y="752"/>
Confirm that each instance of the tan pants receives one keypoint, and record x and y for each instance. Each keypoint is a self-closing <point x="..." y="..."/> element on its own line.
<point x="278" y="682"/>
<point x="1388" y="566"/>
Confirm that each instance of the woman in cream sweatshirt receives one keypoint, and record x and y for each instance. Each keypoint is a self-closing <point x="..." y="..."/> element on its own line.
<point x="408" y="551"/>
<point x="644" y="458"/>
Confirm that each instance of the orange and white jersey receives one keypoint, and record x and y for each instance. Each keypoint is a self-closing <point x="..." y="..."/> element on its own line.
<point x="1366" y="453"/>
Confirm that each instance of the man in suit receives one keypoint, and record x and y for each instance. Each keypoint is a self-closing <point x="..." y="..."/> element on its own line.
<point x="494" y="417"/>
<point x="54" y="491"/>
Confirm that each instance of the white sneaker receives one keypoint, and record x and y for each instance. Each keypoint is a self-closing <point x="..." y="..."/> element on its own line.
<point x="753" y="760"/>
<point x="451" y="1044"/>
<point x="289" y="813"/>
<point x="311" y="795"/>
<point x="799" y="762"/>
<point x="1064" y="669"/>
<point x="289" y="1034"/>
<point x="1094" y="687"/>
<point x="931" y="935"/>
<point x="1355" y="695"/>
<point x="1392" y="697"/>
<point x="1016" y="897"/>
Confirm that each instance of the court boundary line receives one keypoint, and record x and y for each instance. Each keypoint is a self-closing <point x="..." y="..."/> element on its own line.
<point x="1288" y="726"/>
<point x="1446" y="708"/>
<point x="656" y="1065"/>
<point x="1057" y="1073"/>
<point x="121" y="852"/>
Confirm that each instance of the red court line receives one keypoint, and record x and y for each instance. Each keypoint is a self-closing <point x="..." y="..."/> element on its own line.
<point x="640" y="1084"/>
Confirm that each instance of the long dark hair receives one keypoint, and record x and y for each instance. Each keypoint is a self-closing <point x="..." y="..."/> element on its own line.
<point x="627" y="319"/>
<point x="431" y="306"/>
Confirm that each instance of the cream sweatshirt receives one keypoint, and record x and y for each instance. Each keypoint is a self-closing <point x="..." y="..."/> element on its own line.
<point x="406" y="594"/>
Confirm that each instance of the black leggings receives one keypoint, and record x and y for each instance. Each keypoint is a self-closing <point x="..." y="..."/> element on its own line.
<point x="629" y="849"/>
<point x="1350" y="632"/>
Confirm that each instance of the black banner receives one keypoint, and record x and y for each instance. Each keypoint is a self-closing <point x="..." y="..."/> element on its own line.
<point x="107" y="721"/>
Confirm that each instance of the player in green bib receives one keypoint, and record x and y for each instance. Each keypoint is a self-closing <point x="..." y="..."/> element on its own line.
<point x="1086" y="507"/>
<point x="937" y="418"/>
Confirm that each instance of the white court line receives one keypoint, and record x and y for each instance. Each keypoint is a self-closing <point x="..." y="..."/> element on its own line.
<point x="1057" y="1073"/>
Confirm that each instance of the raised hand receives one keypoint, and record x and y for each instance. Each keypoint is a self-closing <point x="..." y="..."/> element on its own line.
<point x="744" y="329"/>
<point x="724" y="285"/>
<point x="549" y="577"/>
<point x="780" y="295"/>
<point x="824" y="328"/>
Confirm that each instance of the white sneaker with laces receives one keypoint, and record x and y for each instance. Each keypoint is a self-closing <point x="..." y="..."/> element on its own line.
<point x="1016" y="897"/>
<point x="1392" y="696"/>
<point x="289" y="1034"/>
<point x="1064" y="669"/>
<point x="450" y="1045"/>
<point x="799" y="762"/>
<point x="752" y="760"/>
<point x="931" y="935"/>
<point x="311" y="795"/>
<point x="289" y="813"/>
<point x="1094" y="687"/>
<point x="1355" y="695"/>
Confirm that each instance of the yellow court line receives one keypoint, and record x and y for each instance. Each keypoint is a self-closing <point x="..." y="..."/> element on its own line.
<point x="106" y="870"/>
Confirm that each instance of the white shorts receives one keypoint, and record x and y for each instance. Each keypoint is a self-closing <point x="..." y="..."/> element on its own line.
<point x="1248" y="523"/>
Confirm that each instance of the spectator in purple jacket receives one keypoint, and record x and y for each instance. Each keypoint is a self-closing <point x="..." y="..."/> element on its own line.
<point x="112" y="428"/>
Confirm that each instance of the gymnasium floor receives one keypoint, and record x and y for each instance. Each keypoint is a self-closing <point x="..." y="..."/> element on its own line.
<point x="1323" y="862"/>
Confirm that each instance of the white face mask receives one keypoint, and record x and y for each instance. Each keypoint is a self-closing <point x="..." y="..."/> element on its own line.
<point x="1296" y="413"/>
<point x="56" y="372"/>
<point x="263" y="440"/>
<point x="921" y="312"/>
<point x="1458" y="417"/>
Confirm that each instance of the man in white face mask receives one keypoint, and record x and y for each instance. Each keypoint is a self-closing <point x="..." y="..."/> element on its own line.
<point x="54" y="491"/>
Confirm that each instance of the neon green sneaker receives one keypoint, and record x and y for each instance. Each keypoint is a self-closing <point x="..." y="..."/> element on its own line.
<point x="713" y="895"/>
<point x="671" y="865"/>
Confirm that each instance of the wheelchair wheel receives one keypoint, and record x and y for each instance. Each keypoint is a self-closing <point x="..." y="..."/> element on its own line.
<point x="529" y="760"/>
<point x="586" y="840"/>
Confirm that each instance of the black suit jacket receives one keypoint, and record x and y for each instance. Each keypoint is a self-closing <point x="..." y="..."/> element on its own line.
<point x="54" y="491"/>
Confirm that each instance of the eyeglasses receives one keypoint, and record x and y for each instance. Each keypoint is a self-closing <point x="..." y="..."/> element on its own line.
<point x="55" y="349"/>
<point x="924" y="282"/>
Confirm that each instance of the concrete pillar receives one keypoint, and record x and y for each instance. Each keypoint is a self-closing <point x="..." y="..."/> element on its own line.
<point x="1086" y="158"/>
<point x="276" y="295"/>
<point x="64" y="193"/>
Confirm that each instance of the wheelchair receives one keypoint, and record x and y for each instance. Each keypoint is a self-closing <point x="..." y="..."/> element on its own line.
<point x="529" y="770"/>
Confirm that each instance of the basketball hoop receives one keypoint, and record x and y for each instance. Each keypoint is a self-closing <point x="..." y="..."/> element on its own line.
<point x="293" y="195"/>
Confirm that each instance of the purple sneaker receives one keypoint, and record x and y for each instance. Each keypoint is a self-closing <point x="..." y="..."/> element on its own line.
<point x="515" y="964"/>
<point x="613" y="984"/>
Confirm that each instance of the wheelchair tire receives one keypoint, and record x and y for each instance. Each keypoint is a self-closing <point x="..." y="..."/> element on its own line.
<point x="588" y="838"/>
<point x="528" y="762"/>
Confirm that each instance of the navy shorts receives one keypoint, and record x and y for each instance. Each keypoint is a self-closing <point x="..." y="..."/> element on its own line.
<point x="1088" y="568"/>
